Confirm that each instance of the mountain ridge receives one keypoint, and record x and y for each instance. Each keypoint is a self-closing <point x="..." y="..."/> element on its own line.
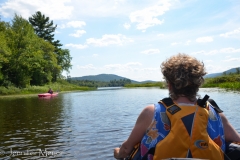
<point x="109" y="77"/>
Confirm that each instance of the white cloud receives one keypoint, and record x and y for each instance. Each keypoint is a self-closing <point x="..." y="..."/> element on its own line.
<point x="88" y="66"/>
<point x="229" y="50"/>
<point x="151" y="51"/>
<point x="214" y="52"/>
<point x="147" y="17"/>
<point x="95" y="55"/>
<point x="109" y="39"/>
<point x="106" y="40"/>
<point x="101" y="8"/>
<point x="208" y="61"/>
<point x="188" y="42"/>
<point x="74" y="24"/>
<point x="123" y="67"/>
<point x="232" y="33"/>
<point x="26" y="9"/>
<point x="78" y="46"/>
<point x="78" y="33"/>
<point x="215" y="69"/>
<point x="150" y="69"/>
<point x="127" y="25"/>
<point x="198" y="52"/>
<point x="160" y="35"/>
<point x="228" y="57"/>
<point x="204" y="39"/>
<point x="232" y="59"/>
<point x="175" y="43"/>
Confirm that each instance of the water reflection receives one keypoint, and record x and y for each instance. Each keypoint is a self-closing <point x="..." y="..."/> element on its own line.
<point x="82" y="125"/>
<point x="30" y="124"/>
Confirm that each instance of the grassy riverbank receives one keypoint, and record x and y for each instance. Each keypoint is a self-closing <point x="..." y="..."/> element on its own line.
<point x="231" y="82"/>
<point x="58" y="86"/>
<point x="157" y="84"/>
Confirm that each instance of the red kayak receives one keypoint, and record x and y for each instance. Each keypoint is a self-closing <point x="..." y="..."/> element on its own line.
<point x="47" y="95"/>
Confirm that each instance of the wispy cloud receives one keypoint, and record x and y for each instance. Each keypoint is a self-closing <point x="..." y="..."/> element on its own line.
<point x="78" y="33"/>
<point x="215" y="69"/>
<point x="231" y="33"/>
<point x="175" y="43"/>
<point x="126" y="25"/>
<point x="106" y="40"/>
<point x="229" y="50"/>
<point x="109" y="39"/>
<point x="59" y="10"/>
<point x="88" y="66"/>
<point x="124" y="67"/>
<point x="204" y="39"/>
<point x="78" y="46"/>
<point x="160" y="35"/>
<point x="208" y="61"/>
<point x="232" y="59"/>
<point x="73" y="24"/>
<point x="147" y="17"/>
<point x="188" y="42"/>
<point x="95" y="55"/>
<point x="151" y="51"/>
<point x="131" y="66"/>
<point x="214" y="52"/>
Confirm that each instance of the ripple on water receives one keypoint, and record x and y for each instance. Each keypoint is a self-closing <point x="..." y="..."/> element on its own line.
<point x="84" y="125"/>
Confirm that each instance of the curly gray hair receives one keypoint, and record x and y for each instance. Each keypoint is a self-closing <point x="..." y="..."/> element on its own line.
<point x="185" y="75"/>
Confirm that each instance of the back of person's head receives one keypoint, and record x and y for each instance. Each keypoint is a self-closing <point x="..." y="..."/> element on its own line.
<point x="184" y="74"/>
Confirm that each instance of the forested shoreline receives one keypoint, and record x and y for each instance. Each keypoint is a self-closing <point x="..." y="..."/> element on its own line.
<point x="31" y="59"/>
<point x="29" y="54"/>
<point x="96" y="84"/>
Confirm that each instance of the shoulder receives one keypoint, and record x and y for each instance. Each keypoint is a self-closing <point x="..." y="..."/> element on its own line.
<point x="148" y="110"/>
<point x="146" y="116"/>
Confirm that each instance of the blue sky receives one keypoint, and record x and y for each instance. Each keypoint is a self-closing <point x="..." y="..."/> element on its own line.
<point x="132" y="38"/>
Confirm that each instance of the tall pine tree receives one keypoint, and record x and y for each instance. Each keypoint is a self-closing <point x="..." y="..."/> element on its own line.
<point x="45" y="28"/>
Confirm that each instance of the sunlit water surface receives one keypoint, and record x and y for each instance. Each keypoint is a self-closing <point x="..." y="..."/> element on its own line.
<point x="83" y="125"/>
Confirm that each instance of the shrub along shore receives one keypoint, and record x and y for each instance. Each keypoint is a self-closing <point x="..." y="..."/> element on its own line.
<point x="59" y="86"/>
<point x="229" y="82"/>
<point x="156" y="84"/>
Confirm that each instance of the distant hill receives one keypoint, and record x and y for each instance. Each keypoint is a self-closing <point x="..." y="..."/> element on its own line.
<point x="105" y="78"/>
<point x="212" y="75"/>
<point x="110" y="77"/>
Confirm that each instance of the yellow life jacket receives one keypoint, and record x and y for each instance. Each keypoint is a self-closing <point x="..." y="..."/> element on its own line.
<point x="188" y="137"/>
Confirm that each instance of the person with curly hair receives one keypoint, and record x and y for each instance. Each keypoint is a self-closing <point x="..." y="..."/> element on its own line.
<point x="182" y="125"/>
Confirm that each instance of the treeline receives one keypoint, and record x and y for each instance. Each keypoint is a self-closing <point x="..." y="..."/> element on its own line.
<point x="228" y="81"/>
<point x="112" y="83"/>
<point x="29" y="54"/>
<point x="153" y="84"/>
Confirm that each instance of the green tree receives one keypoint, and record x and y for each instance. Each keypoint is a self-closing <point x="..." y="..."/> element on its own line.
<point x="64" y="61"/>
<point x="4" y="51"/>
<point x="20" y="36"/>
<point x="44" y="64"/>
<point x="238" y="70"/>
<point x="45" y="28"/>
<point x="33" y="59"/>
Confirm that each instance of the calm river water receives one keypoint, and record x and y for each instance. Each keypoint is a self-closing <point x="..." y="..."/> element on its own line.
<point x="83" y="125"/>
